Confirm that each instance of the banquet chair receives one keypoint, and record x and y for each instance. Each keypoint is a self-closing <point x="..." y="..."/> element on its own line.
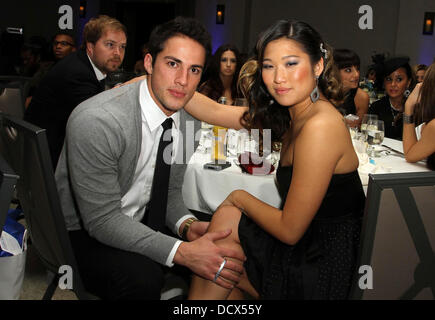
<point x="8" y="180"/>
<point x="12" y="98"/>
<point x="25" y="148"/>
<point x="397" y="250"/>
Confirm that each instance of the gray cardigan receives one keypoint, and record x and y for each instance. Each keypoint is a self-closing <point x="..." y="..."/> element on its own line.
<point x="96" y="168"/>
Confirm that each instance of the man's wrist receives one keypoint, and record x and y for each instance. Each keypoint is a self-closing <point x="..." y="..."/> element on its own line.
<point x="186" y="227"/>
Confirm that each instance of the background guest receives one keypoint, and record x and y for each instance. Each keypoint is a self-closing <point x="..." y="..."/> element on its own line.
<point x="139" y="68"/>
<point x="33" y="55"/>
<point x="356" y="100"/>
<point x="62" y="45"/>
<point x="371" y="73"/>
<point x="222" y="74"/>
<point x="421" y="105"/>
<point x="398" y="81"/>
<point x="76" y="78"/>
<point x="419" y="70"/>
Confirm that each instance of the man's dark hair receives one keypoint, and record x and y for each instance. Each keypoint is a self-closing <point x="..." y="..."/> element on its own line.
<point x="65" y="33"/>
<point x="188" y="27"/>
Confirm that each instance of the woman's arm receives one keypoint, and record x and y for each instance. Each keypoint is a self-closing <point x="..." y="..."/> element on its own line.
<point x="422" y="148"/>
<point x="417" y="150"/>
<point x="207" y="110"/>
<point x="362" y="104"/>
<point x="318" y="150"/>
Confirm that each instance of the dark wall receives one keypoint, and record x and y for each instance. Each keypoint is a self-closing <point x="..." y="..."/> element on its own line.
<point x="140" y="17"/>
<point x="35" y="17"/>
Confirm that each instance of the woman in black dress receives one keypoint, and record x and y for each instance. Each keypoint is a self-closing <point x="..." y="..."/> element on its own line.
<point x="398" y="81"/>
<point x="356" y="100"/>
<point x="307" y="248"/>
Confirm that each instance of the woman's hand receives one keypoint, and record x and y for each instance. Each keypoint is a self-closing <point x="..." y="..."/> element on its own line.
<point x="412" y="100"/>
<point x="131" y="81"/>
<point x="197" y="230"/>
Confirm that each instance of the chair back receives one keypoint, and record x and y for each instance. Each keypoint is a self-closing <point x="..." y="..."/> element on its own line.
<point x="8" y="179"/>
<point x="12" y="95"/>
<point x="25" y="148"/>
<point x="397" y="256"/>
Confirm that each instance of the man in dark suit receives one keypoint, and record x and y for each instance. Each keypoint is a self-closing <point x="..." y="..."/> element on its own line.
<point x="76" y="78"/>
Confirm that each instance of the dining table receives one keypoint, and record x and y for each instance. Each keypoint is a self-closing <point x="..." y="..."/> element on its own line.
<point x="204" y="189"/>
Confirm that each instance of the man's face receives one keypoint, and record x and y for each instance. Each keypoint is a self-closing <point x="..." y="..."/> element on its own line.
<point x="63" y="45"/>
<point x="108" y="52"/>
<point x="176" y="73"/>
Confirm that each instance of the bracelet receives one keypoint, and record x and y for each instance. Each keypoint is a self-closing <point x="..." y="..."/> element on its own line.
<point x="186" y="227"/>
<point x="408" y="119"/>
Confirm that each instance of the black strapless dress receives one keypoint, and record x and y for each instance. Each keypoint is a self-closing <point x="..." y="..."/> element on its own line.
<point x="321" y="265"/>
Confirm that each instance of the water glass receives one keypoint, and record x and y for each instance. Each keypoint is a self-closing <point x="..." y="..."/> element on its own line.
<point x="232" y="142"/>
<point x="375" y="136"/>
<point x="365" y="120"/>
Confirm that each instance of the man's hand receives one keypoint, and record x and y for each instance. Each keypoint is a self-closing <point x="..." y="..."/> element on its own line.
<point x="204" y="258"/>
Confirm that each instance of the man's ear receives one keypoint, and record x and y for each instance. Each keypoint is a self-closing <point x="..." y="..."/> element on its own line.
<point x="90" y="49"/>
<point x="148" y="63"/>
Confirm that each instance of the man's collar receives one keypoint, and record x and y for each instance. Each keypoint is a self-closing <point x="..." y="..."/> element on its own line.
<point x="151" y="112"/>
<point x="98" y="73"/>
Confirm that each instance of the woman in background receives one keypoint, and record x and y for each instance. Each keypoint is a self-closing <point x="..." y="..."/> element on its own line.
<point x="420" y="70"/>
<point x="398" y="80"/>
<point x="421" y="105"/>
<point x="356" y="100"/>
<point x="223" y="74"/>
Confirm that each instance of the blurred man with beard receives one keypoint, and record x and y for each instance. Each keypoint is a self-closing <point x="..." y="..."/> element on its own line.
<point x="76" y="78"/>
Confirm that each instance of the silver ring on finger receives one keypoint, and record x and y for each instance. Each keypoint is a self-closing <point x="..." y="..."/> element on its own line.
<point x="220" y="270"/>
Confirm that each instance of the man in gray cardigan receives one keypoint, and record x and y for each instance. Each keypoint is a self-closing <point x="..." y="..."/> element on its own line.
<point x="106" y="169"/>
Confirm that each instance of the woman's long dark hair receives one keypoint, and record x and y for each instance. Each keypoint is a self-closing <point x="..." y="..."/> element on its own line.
<point x="425" y="109"/>
<point x="263" y="114"/>
<point x="213" y="86"/>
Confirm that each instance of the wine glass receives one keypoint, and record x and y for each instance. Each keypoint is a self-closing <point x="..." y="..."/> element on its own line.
<point x="367" y="118"/>
<point x="375" y="136"/>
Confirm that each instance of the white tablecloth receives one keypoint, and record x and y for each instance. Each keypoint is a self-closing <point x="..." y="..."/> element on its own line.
<point x="204" y="190"/>
<point x="392" y="163"/>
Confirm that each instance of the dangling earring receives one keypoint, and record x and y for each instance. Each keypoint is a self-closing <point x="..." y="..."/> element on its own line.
<point x="315" y="93"/>
<point x="407" y="93"/>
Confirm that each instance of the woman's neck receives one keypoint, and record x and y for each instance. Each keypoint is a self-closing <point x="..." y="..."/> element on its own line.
<point x="300" y="110"/>
<point x="226" y="81"/>
<point x="397" y="103"/>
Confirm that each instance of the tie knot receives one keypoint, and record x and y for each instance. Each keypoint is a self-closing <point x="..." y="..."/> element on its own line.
<point x="167" y="124"/>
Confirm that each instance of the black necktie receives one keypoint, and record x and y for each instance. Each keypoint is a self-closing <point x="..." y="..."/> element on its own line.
<point x="159" y="191"/>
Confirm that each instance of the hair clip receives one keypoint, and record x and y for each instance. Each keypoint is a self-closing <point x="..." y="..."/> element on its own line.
<point x="324" y="51"/>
